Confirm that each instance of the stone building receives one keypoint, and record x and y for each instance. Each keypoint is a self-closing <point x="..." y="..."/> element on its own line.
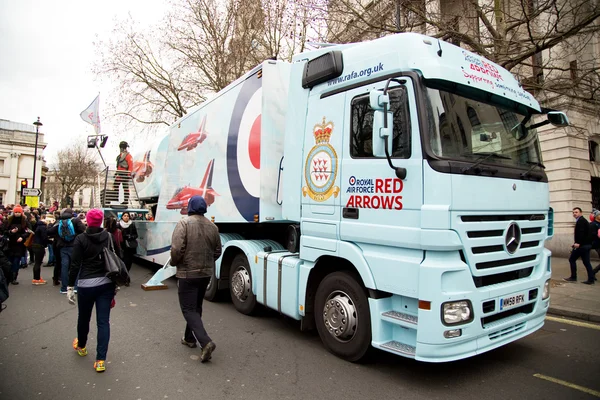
<point x="17" y="150"/>
<point x="571" y="155"/>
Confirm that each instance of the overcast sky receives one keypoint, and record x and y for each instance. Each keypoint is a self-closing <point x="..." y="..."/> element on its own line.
<point x="46" y="56"/>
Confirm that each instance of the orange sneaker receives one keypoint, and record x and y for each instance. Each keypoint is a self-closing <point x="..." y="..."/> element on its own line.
<point x="82" y="351"/>
<point x="38" y="282"/>
<point x="99" y="366"/>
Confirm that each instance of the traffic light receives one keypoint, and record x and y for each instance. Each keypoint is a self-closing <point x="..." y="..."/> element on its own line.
<point x="23" y="185"/>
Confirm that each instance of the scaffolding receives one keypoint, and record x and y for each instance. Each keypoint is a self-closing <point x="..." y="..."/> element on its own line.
<point x="116" y="189"/>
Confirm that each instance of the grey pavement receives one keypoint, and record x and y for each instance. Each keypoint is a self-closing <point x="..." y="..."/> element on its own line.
<point x="261" y="357"/>
<point x="573" y="299"/>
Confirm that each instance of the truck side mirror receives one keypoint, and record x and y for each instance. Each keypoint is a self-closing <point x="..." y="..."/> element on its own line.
<point x="377" y="99"/>
<point x="381" y="130"/>
<point x="381" y="133"/>
<point x="558" y="118"/>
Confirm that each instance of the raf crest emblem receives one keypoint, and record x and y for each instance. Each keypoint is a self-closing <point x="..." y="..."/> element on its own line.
<point x="321" y="167"/>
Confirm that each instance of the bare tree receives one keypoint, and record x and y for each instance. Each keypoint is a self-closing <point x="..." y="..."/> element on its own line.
<point x="199" y="48"/>
<point x="547" y="43"/>
<point x="75" y="168"/>
<point x="152" y="87"/>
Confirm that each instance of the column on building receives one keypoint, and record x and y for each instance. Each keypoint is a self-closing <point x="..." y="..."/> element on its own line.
<point x="566" y="158"/>
<point x="13" y="184"/>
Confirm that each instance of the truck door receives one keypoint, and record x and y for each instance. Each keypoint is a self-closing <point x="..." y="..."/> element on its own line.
<point x="378" y="208"/>
<point x="321" y="172"/>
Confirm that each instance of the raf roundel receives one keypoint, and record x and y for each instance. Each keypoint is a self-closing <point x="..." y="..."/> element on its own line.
<point x="243" y="149"/>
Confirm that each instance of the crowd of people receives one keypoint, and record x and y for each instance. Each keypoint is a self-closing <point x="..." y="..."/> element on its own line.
<point x="78" y="243"/>
<point x="27" y="234"/>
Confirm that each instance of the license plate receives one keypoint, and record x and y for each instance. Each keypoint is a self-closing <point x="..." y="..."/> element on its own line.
<point x="512" y="301"/>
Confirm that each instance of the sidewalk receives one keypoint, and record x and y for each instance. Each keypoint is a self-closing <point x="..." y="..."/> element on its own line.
<point x="574" y="300"/>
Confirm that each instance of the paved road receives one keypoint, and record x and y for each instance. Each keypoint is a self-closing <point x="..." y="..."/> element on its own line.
<point x="263" y="357"/>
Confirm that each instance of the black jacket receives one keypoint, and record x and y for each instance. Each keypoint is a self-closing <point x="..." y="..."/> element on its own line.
<point x="129" y="233"/>
<point x="15" y="248"/>
<point x="594" y="226"/>
<point x="77" y="225"/>
<point x="87" y="260"/>
<point x="582" y="231"/>
<point x="41" y="234"/>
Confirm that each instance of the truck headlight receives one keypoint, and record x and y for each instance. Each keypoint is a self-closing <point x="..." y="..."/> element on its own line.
<point x="546" y="292"/>
<point x="457" y="312"/>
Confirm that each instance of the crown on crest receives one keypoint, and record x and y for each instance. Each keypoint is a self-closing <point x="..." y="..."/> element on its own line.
<point x="323" y="131"/>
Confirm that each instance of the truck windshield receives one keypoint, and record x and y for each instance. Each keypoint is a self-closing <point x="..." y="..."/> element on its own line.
<point x="468" y="130"/>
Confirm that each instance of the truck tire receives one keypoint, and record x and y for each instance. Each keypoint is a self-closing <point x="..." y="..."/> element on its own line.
<point x="212" y="292"/>
<point x="240" y="285"/>
<point x="342" y="316"/>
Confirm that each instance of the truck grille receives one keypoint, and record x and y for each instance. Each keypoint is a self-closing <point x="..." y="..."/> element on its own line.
<point x="483" y="237"/>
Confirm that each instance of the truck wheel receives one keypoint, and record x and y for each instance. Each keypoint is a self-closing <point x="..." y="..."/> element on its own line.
<point x="240" y="285"/>
<point x="342" y="316"/>
<point x="212" y="292"/>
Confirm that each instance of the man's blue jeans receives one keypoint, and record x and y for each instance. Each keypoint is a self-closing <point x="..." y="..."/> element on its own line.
<point x="50" y="254"/>
<point x="65" y="261"/>
<point x="86" y="298"/>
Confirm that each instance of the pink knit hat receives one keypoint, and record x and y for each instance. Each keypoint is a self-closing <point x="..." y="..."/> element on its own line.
<point x="94" y="217"/>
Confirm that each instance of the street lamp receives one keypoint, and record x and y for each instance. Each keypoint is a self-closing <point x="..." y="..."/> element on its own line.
<point x="37" y="132"/>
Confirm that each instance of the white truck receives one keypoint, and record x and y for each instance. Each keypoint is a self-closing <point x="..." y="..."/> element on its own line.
<point x="390" y="193"/>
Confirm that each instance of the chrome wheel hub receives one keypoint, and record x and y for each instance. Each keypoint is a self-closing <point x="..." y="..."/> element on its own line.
<point x="339" y="316"/>
<point x="240" y="284"/>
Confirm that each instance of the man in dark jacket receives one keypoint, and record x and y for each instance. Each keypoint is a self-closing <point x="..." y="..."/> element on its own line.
<point x="581" y="247"/>
<point x="195" y="246"/>
<point x="40" y="241"/>
<point x="65" y="242"/>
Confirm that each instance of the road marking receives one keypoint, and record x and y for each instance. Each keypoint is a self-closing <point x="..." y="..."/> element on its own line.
<point x="576" y="323"/>
<point x="568" y="384"/>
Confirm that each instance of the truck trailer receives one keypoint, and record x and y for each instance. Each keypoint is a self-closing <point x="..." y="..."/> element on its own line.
<point x="390" y="194"/>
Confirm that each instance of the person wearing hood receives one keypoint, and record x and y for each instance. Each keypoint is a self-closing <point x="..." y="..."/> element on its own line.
<point x="94" y="287"/>
<point x="40" y="242"/>
<point x="129" y="233"/>
<point x="18" y="231"/>
<point x="65" y="238"/>
<point x="195" y="245"/>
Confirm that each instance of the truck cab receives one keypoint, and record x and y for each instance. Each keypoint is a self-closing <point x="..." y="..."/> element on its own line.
<point x="421" y="168"/>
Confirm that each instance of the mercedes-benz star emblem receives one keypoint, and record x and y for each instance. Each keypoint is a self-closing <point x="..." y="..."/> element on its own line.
<point x="512" y="239"/>
<point x="514" y="186"/>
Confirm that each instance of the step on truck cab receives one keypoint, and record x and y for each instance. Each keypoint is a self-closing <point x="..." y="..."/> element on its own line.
<point x="390" y="193"/>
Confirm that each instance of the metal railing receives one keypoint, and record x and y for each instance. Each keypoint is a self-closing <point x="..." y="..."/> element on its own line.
<point x="116" y="189"/>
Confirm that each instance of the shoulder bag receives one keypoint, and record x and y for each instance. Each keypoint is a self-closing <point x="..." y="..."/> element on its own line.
<point x="29" y="240"/>
<point x="115" y="267"/>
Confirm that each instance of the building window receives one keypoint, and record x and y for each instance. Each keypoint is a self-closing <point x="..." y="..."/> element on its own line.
<point x="596" y="193"/>
<point x="509" y="120"/>
<point x="573" y="69"/>
<point x="1" y="166"/>
<point x="473" y="118"/>
<point x="1" y="197"/>
<point x="594" y="151"/>
<point x="362" y="125"/>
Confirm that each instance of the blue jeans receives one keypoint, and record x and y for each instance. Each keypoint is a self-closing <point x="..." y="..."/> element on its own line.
<point x="65" y="261"/>
<point x="86" y="298"/>
<point x="15" y="266"/>
<point x="50" y="254"/>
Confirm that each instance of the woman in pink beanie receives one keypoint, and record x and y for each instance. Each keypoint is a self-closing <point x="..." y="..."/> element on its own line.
<point x="93" y="287"/>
